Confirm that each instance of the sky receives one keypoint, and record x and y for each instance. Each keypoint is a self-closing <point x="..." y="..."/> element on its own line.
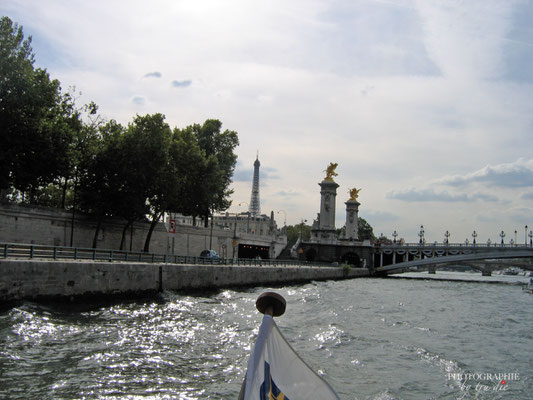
<point x="425" y="105"/>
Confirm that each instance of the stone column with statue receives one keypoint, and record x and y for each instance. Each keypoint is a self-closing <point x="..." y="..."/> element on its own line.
<point x="352" y="216"/>
<point x="325" y="231"/>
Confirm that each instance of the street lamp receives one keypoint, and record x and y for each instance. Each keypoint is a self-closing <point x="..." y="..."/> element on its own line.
<point x="525" y="236"/>
<point x="530" y="234"/>
<point x="302" y="227"/>
<point x="474" y="235"/>
<point x="515" y="237"/>
<point x="447" y="236"/>
<point x="502" y="235"/>
<point x="421" y="234"/>
<point x="394" y="234"/>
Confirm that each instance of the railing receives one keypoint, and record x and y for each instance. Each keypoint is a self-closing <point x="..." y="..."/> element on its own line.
<point x="33" y="251"/>
<point x="453" y="245"/>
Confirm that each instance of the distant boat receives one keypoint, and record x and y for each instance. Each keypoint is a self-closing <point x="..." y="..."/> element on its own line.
<point x="510" y="271"/>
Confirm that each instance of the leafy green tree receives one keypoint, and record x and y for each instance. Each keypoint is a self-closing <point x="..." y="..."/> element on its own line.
<point x="213" y="188"/>
<point x="34" y="148"/>
<point x="144" y="152"/>
<point x="156" y="172"/>
<point x="294" y="231"/>
<point x="100" y="184"/>
<point x="364" y="230"/>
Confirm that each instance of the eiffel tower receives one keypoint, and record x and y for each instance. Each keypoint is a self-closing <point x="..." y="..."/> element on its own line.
<point x="255" y="206"/>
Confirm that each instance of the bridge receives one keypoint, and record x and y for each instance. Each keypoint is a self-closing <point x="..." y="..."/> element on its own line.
<point x="398" y="258"/>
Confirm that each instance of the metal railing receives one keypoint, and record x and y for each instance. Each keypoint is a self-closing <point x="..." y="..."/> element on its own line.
<point x="34" y="251"/>
<point x="454" y="245"/>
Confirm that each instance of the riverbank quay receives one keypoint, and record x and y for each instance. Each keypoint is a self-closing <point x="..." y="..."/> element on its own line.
<point x="48" y="279"/>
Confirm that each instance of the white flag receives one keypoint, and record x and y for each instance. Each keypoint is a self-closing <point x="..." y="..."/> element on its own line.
<point x="276" y="372"/>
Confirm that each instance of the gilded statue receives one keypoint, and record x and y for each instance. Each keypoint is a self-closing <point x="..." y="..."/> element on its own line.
<point x="330" y="172"/>
<point x="354" y="193"/>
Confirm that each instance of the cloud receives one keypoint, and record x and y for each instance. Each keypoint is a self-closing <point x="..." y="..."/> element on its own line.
<point x="139" y="100"/>
<point x="513" y="175"/>
<point x="153" y="75"/>
<point x="287" y="194"/>
<point x="427" y="195"/>
<point x="243" y="175"/>
<point x="180" y="84"/>
<point x="527" y="196"/>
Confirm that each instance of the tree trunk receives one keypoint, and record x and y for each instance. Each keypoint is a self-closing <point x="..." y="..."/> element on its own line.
<point x="98" y="226"/>
<point x="155" y="220"/>
<point x="123" y="240"/>
<point x="206" y="219"/>
<point x="64" y="194"/>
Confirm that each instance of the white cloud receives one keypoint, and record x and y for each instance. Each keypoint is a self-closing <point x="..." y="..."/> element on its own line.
<point x="516" y="174"/>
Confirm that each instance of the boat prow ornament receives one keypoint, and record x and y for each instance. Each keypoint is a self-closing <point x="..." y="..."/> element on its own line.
<point x="271" y="299"/>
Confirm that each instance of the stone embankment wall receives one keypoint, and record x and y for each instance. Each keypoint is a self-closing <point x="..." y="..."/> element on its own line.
<point x="53" y="227"/>
<point x="42" y="279"/>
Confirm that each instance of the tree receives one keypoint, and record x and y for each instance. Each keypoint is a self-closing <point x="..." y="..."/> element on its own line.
<point x="213" y="192"/>
<point x="143" y="156"/>
<point x="34" y="149"/>
<point x="155" y="173"/>
<point x="364" y="230"/>
<point x="294" y="231"/>
<point x="101" y="180"/>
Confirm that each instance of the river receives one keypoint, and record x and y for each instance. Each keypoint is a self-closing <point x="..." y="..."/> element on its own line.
<point x="378" y="339"/>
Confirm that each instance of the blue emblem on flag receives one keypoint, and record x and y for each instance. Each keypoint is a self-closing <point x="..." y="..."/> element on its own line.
<point x="269" y="390"/>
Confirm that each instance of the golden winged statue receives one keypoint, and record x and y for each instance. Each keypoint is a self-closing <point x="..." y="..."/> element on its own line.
<point x="354" y="193"/>
<point x="330" y="172"/>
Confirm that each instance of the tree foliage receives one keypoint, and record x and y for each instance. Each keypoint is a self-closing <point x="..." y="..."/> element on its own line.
<point x="34" y="117"/>
<point x="365" y="230"/>
<point x="294" y="231"/>
<point x="56" y="154"/>
<point x="212" y="192"/>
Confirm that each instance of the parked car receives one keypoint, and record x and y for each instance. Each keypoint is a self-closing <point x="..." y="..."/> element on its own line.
<point x="210" y="255"/>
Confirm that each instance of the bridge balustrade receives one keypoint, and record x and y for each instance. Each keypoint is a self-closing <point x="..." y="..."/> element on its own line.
<point x="393" y="258"/>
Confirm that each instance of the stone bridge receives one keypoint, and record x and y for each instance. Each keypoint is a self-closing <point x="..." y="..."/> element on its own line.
<point x="398" y="258"/>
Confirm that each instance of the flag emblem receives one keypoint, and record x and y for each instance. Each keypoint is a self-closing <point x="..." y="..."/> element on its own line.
<point x="269" y="390"/>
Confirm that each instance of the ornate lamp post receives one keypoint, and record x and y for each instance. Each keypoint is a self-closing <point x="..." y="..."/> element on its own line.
<point x="474" y="235"/>
<point x="421" y="234"/>
<point x="394" y="235"/>
<point x="502" y="235"/>
<point x="515" y="232"/>
<point x="447" y="236"/>
<point x="530" y="234"/>
<point x="525" y="236"/>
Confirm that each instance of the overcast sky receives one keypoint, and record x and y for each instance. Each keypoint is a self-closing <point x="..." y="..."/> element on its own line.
<point x="425" y="105"/>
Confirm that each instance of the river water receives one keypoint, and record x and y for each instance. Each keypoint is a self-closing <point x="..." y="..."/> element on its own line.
<point x="376" y="339"/>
